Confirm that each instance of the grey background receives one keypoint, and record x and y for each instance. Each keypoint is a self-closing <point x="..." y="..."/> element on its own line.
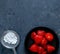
<point x="23" y="15"/>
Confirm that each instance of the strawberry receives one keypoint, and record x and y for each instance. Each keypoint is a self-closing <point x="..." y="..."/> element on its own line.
<point x="33" y="48"/>
<point x="50" y="48"/>
<point x="40" y="49"/>
<point x="44" y="52"/>
<point x="38" y="39"/>
<point x="49" y="36"/>
<point x="41" y="32"/>
<point x="44" y="41"/>
<point x="33" y="34"/>
<point x="45" y="46"/>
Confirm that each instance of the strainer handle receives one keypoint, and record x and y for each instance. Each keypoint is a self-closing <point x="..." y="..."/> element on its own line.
<point x="14" y="51"/>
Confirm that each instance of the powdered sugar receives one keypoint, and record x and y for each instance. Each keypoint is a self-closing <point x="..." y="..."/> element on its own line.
<point x="10" y="38"/>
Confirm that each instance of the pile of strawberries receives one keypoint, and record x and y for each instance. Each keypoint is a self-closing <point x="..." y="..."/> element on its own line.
<point x="41" y="42"/>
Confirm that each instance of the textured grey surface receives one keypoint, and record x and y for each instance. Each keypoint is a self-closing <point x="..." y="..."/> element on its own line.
<point x="23" y="15"/>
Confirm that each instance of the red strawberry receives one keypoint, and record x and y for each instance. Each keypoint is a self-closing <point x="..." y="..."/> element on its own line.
<point x="50" y="48"/>
<point x="40" y="50"/>
<point x="44" y="52"/>
<point x="49" y="36"/>
<point x="38" y="39"/>
<point x="41" y="32"/>
<point x="44" y="41"/>
<point x="45" y="46"/>
<point x="33" y="34"/>
<point x="33" y="48"/>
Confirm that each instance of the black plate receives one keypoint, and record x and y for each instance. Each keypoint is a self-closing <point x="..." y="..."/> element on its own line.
<point x="29" y="41"/>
